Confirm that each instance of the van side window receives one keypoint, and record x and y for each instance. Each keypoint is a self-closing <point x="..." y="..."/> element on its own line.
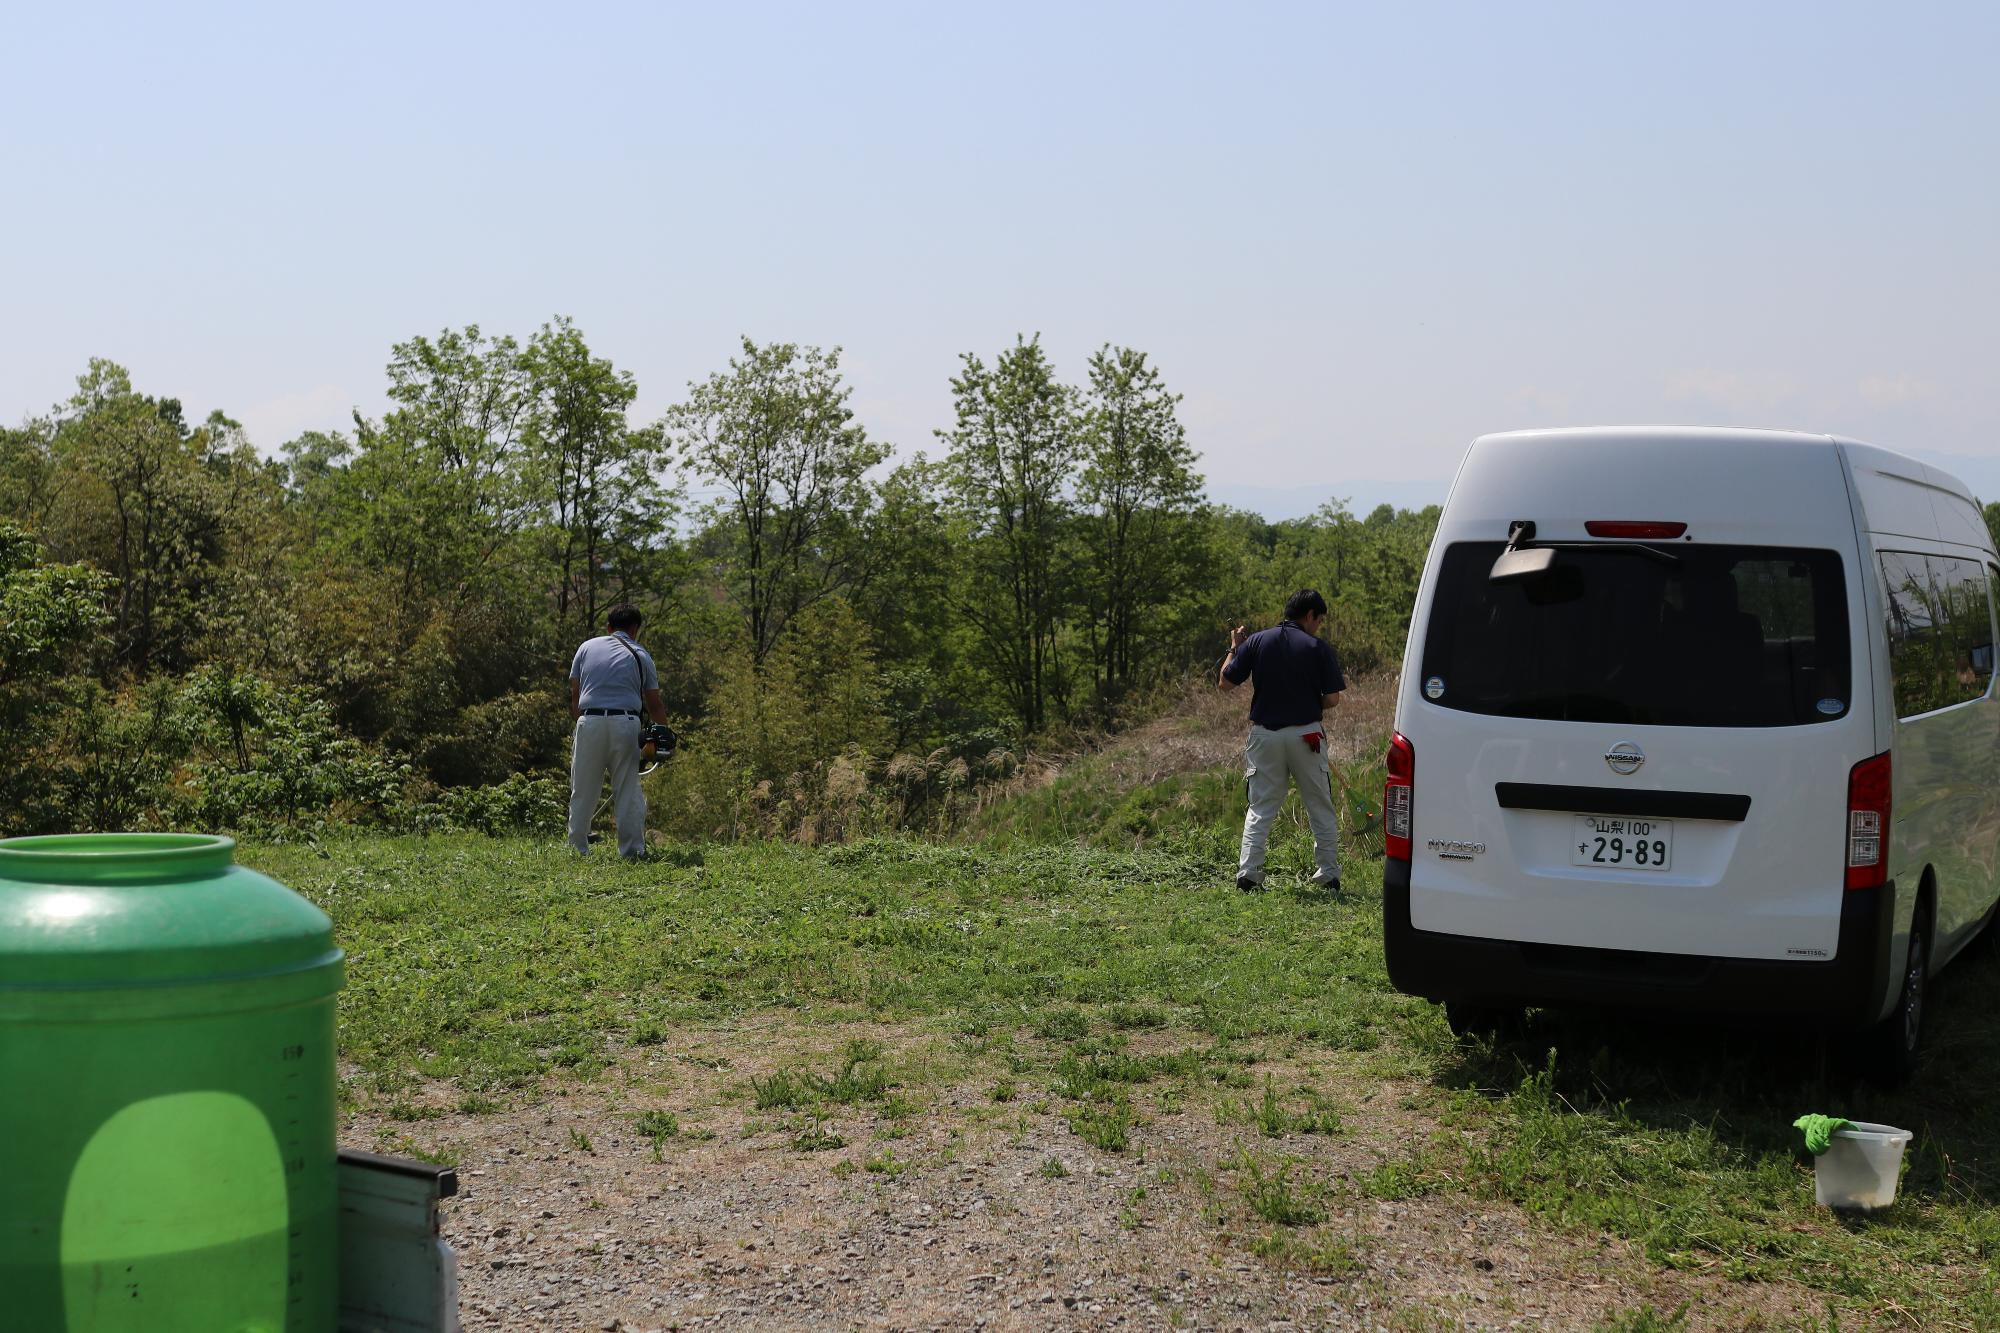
<point x="1919" y="648"/>
<point x="1961" y="585"/>
<point x="1940" y="631"/>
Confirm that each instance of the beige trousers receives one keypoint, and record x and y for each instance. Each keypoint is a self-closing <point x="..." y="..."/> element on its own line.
<point x="606" y="744"/>
<point x="1274" y="759"/>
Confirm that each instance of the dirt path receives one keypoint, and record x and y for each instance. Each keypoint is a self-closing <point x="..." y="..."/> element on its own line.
<point x="944" y="1208"/>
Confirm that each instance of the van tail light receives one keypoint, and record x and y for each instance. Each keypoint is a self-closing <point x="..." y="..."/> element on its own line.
<point x="1868" y="824"/>
<point x="1397" y="798"/>
<point x="1605" y="527"/>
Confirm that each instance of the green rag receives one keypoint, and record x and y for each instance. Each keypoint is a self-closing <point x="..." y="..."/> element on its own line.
<point x="1819" y="1129"/>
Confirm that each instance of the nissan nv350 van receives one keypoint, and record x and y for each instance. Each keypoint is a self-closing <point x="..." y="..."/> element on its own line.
<point x="1696" y="720"/>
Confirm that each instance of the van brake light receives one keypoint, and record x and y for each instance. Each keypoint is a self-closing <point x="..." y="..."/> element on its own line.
<point x="1868" y="823"/>
<point x="1604" y="527"/>
<point x="1397" y="795"/>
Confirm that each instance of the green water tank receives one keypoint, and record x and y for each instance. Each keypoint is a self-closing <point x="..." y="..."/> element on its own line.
<point x="167" y="1158"/>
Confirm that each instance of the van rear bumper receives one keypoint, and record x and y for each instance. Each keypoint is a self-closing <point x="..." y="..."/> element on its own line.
<point x="1850" y="988"/>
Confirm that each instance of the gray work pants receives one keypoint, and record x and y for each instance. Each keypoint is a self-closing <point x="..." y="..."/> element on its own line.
<point x="1274" y="758"/>
<point x="603" y="743"/>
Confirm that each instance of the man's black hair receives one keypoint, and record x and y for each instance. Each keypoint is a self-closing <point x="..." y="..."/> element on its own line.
<point x="625" y="616"/>
<point x="1302" y="601"/>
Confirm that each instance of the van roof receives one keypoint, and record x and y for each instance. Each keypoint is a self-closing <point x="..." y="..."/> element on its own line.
<point x="1860" y="454"/>
<point x="1564" y="476"/>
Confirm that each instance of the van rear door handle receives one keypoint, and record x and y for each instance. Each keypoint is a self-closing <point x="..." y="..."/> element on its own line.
<point x="1622" y="801"/>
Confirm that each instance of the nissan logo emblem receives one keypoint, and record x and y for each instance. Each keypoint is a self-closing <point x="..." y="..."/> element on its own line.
<point x="1624" y="757"/>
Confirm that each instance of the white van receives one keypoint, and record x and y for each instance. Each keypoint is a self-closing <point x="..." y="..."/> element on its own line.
<point x="1697" y="720"/>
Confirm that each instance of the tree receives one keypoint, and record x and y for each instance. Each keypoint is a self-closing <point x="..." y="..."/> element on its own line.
<point x="1143" y="508"/>
<point x="151" y="500"/>
<point x="423" y="538"/>
<point x="774" y="432"/>
<point x="434" y="493"/>
<point x="1012" y="454"/>
<point x="47" y="614"/>
<point x="27" y="471"/>
<point x="588" y="467"/>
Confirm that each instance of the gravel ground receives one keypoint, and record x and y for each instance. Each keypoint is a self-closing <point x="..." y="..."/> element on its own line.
<point x="948" y="1210"/>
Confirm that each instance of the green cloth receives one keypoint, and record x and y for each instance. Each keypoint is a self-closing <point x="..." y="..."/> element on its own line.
<point x="1818" y="1130"/>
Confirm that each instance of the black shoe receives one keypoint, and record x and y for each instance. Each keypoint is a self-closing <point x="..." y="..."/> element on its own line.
<point x="1249" y="885"/>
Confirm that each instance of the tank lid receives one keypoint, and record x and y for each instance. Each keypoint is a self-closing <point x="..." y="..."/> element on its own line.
<point x="114" y="858"/>
<point x="140" y="909"/>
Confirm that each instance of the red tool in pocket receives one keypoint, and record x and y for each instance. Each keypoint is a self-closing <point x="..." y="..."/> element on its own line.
<point x="1312" y="738"/>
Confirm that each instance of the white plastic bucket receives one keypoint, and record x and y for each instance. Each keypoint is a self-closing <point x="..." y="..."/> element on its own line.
<point x="1861" y="1168"/>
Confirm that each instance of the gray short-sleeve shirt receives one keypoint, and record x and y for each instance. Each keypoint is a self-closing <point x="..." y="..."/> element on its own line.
<point x="610" y="678"/>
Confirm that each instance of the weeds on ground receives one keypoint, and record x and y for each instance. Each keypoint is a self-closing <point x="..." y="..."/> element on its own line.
<point x="657" y="1124"/>
<point x="1646" y="1320"/>
<point x="1272" y="1196"/>
<point x="885" y="1163"/>
<point x="816" y="1137"/>
<point x="859" y="1077"/>
<point x="1107" y="1124"/>
<point x="657" y="1127"/>
<point x="1322" y="1252"/>
<point x="1274" y="1119"/>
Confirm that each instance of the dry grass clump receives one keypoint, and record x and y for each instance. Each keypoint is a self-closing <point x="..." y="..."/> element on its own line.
<point x="1202" y="729"/>
<point x="1192" y="728"/>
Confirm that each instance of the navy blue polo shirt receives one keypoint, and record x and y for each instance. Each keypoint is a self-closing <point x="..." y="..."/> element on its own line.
<point x="1293" y="671"/>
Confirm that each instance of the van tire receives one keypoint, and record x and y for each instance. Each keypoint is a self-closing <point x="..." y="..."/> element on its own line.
<point x="1896" y="1040"/>
<point x="1469" y="1019"/>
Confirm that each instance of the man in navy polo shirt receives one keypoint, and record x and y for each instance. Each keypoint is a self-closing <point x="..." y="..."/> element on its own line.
<point x="1296" y="681"/>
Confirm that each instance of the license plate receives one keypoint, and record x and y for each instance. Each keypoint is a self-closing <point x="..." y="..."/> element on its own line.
<point x="1620" y="842"/>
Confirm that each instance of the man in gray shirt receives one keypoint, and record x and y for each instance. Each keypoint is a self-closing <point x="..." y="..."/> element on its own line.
<point x="610" y="678"/>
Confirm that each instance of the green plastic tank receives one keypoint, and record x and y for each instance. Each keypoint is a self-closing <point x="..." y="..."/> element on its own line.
<point x="167" y="1158"/>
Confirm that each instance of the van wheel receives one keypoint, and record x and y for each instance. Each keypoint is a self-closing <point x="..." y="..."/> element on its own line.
<point x="1897" y="1038"/>
<point x="1468" y="1019"/>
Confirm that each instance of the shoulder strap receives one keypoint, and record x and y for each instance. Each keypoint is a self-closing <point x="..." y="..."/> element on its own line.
<point x="637" y="665"/>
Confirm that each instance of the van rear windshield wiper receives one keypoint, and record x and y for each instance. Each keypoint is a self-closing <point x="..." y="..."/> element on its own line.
<point x="1523" y="560"/>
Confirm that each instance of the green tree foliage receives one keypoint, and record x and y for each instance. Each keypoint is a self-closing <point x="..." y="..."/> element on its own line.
<point x="593" y="472"/>
<point x="436" y="492"/>
<point x="1142" y="520"/>
<point x="1012" y="456"/>
<point x="138" y="493"/>
<point x="49" y="615"/>
<point x="374" y="623"/>
<point x="775" y="434"/>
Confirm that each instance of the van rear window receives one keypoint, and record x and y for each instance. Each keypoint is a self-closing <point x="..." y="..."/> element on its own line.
<point x="1720" y="636"/>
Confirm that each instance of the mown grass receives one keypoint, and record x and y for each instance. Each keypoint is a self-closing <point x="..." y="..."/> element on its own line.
<point x="494" y="962"/>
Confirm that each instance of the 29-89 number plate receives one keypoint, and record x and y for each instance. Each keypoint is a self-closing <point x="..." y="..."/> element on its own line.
<point x="1622" y="843"/>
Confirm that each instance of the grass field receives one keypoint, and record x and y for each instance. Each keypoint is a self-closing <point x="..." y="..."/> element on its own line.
<point x="1109" y="983"/>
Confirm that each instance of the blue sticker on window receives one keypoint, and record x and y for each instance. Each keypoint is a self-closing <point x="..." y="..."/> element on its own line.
<point x="1434" y="688"/>
<point x="1832" y="706"/>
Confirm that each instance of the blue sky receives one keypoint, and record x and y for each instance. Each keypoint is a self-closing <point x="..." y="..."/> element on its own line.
<point x="1352" y="237"/>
